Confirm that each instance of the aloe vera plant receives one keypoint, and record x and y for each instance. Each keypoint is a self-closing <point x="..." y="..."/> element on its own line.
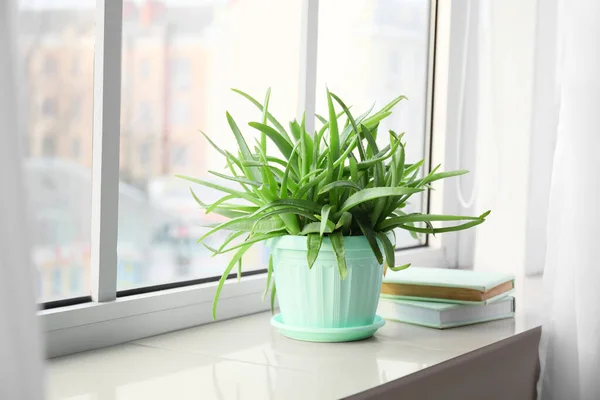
<point x="333" y="182"/>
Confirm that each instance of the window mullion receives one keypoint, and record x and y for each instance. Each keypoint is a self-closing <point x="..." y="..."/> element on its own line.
<point x="106" y="136"/>
<point x="308" y="61"/>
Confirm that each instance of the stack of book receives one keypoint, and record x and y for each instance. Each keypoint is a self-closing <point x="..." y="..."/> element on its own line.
<point x="446" y="298"/>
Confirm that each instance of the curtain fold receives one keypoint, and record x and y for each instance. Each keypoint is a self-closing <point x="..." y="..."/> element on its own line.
<point x="21" y="367"/>
<point x="570" y="345"/>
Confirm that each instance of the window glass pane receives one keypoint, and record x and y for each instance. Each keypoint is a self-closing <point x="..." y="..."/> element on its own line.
<point x="56" y="46"/>
<point x="373" y="51"/>
<point x="180" y="59"/>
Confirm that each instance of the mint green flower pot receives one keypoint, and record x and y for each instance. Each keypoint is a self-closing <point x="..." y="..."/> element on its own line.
<point x="318" y="298"/>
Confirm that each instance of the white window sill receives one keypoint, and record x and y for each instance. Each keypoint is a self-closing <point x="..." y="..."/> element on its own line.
<point x="246" y="358"/>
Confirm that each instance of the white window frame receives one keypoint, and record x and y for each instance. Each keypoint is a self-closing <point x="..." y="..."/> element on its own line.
<point x="108" y="319"/>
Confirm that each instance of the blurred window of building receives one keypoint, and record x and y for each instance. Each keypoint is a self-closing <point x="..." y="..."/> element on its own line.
<point x="144" y="68"/>
<point x="75" y="66"/>
<point x="49" y="145"/>
<point x="180" y="112"/>
<point x="76" y="148"/>
<point x="178" y="155"/>
<point x="145" y="117"/>
<point x="49" y="108"/>
<point x="180" y="73"/>
<point x="144" y="153"/>
<point x="76" y="108"/>
<point x="49" y="65"/>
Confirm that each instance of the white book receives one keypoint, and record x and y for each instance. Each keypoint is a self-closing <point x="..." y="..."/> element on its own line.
<point x="445" y="315"/>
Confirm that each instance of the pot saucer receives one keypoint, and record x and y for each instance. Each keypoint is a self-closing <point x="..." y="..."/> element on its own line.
<point x="327" y="334"/>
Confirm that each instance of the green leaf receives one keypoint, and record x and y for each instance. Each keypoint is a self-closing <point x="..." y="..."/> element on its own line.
<point x="409" y="169"/>
<point x="315" y="227"/>
<point x="224" y="189"/>
<point x="392" y="104"/>
<point x="388" y="249"/>
<point x="380" y="157"/>
<point x="263" y="137"/>
<point x="334" y="134"/>
<point x="246" y="224"/>
<point x="238" y="255"/>
<point x="340" y="185"/>
<point x="337" y="242"/>
<point x="217" y="203"/>
<point x="284" y="210"/>
<point x="225" y="212"/>
<point x="324" y="218"/>
<point x="273" y="294"/>
<point x="373" y="120"/>
<point x="313" y="244"/>
<point x="399" y="268"/>
<point x="425" y="217"/>
<point x="309" y="175"/>
<point x="231" y="237"/>
<point x="283" y="190"/>
<point x="236" y="179"/>
<point x="375" y="193"/>
<point x="444" y="175"/>
<point x="366" y="132"/>
<point x="346" y="133"/>
<point x="222" y="152"/>
<point x="275" y="123"/>
<point x="367" y="231"/>
<point x="295" y="129"/>
<point x="242" y="145"/>
<point x="302" y="205"/>
<point x="268" y="178"/>
<point x="269" y="275"/>
<point x="353" y="170"/>
<point x="344" y="221"/>
<point x="352" y="122"/>
<point x="282" y="143"/>
<point x="441" y="230"/>
<point x="320" y="118"/>
<point x="253" y="239"/>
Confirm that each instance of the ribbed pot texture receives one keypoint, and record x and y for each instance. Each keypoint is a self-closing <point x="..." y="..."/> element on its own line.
<point x="318" y="297"/>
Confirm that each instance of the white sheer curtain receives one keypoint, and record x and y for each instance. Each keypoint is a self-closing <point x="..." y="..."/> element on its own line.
<point x="20" y="348"/>
<point x="570" y="346"/>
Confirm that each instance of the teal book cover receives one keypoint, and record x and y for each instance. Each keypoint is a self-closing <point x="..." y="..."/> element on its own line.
<point x="445" y="315"/>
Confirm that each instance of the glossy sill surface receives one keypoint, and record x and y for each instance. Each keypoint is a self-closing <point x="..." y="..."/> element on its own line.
<point x="245" y="358"/>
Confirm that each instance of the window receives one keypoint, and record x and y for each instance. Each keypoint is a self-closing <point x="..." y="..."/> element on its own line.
<point x="49" y="65"/>
<point x="49" y="146"/>
<point x="56" y="282"/>
<point x="75" y="280"/>
<point x="179" y="155"/>
<point x="144" y="117"/>
<point x="221" y="37"/>
<point x="180" y="113"/>
<point x="251" y="45"/>
<point x="49" y="107"/>
<point x="75" y="66"/>
<point x="57" y="172"/>
<point x="180" y="73"/>
<point x="76" y="108"/>
<point x="144" y="154"/>
<point x="377" y="31"/>
<point x="76" y="148"/>
<point x="144" y="68"/>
